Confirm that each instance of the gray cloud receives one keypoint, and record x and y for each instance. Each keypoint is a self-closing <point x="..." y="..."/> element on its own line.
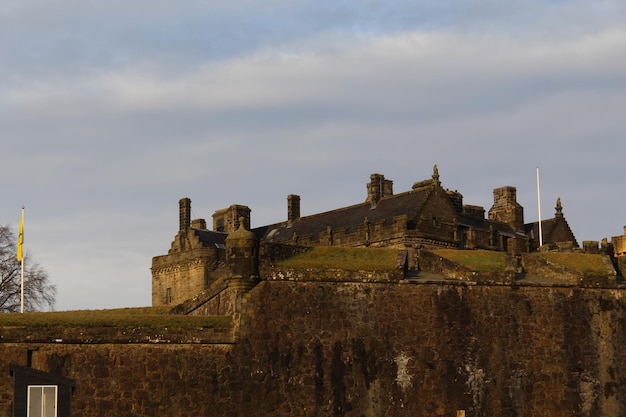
<point x="112" y="112"/>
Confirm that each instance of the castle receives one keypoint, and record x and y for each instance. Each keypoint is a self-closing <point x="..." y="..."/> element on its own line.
<point x="427" y="216"/>
<point x="430" y="337"/>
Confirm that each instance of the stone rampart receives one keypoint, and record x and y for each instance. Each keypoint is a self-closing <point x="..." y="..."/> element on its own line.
<point x="331" y="275"/>
<point x="431" y="262"/>
<point x="540" y="266"/>
<point x="363" y="349"/>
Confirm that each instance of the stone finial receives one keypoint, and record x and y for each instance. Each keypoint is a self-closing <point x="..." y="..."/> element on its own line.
<point x="436" y="175"/>
<point x="558" y="208"/>
<point x="242" y="232"/>
<point x="242" y="237"/>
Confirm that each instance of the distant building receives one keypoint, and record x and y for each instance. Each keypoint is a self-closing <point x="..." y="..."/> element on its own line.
<point x="426" y="216"/>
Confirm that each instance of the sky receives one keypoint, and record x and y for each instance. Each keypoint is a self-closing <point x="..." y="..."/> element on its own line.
<point x="110" y="112"/>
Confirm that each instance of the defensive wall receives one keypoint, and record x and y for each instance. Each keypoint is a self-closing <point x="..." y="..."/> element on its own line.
<point x="357" y="348"/>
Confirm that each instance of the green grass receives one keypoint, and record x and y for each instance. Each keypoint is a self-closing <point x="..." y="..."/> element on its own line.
<point x="477" y="260"/>
<point x="152" y="317"/>
<point x="354" y="259"/>
<point x="583" y="262"/>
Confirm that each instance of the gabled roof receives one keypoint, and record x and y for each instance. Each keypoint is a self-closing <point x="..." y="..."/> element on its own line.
<point x="407" y="203"/>
<point x="532" y="229"/>
<point x="548" y="228"/>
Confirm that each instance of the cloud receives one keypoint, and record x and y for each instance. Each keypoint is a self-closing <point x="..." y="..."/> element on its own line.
<point x="115" y="111"/>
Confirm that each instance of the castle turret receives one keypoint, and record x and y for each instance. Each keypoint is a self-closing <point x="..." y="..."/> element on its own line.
<point x="242" y="252"/>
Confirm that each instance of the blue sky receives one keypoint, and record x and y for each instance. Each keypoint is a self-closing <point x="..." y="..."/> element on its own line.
<point x="110" y="112"/>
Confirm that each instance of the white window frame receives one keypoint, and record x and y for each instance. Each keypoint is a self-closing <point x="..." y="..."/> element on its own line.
<point x="43" y="412"/>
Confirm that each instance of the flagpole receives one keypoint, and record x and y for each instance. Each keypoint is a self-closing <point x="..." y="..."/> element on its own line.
<point x="20" y="256"/>
<point x="539" y="210"/>
<point x="22" y="290"/>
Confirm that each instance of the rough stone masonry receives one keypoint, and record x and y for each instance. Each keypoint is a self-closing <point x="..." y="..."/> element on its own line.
<point x="356" y="349"/>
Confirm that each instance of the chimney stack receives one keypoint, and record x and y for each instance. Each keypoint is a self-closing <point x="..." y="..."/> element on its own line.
<point x="293" y="208"/>
<point x="184" y="215"/>
<point x="377" y="188"/>
<point x="506" y="209"/>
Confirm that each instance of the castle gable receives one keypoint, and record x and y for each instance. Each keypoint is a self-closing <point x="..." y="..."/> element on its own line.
<point x="436" y="207"/>
<point x="554" y="230"/>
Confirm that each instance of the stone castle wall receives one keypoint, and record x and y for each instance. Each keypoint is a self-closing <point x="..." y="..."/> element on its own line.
<point x="179" y="274"/>
<point x="359" y="349"/>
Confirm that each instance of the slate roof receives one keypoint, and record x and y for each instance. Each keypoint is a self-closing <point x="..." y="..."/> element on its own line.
<point x="407" y="203"/>
<point x="532" y="229"/>
<point x="548" y="228"/>
<point x="485" y="224"/>
<point x="210" y="238"/>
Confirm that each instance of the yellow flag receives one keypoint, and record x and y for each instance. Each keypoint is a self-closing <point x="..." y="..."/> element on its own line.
<point x="20" y="239"/>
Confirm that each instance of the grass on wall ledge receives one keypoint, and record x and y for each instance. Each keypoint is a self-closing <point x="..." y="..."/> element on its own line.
<point x="148" y="317"/>
<point x="351" y="259"/>
<point x="584" y="262"/>
<point x="478" y="260"/>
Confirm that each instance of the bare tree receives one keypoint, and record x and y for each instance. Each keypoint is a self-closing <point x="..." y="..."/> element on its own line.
<point x="38" y="292"/>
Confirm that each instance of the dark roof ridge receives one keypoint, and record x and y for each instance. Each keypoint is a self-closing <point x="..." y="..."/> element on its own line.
<point x="347" y="208"/>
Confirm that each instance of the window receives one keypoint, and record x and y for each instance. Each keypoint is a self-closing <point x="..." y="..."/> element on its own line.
<point x="168" y="296"/>
<point x="219" y="225"/>
<point x="42" y="401"/>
